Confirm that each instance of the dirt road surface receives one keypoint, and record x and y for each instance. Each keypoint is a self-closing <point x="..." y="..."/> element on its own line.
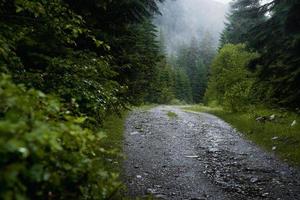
<point x="198" y="156"/>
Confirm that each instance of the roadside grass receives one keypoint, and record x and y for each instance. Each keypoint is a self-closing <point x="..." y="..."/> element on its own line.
<point x="145" y="107"/>
<point x="273" y="135"/>
<point x="172" y="115"/>
<point x="114" y="126"/>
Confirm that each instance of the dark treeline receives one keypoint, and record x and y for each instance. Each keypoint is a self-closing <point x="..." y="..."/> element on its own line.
<point x="64" y="66"/>
<point x="258" y="60"/>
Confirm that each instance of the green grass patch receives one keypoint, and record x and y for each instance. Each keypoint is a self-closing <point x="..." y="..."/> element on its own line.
<point x="172" y="115"/>
<point x="114" y="127"/>
<point x="267" y="133"/>
<point x="145" y="107"/>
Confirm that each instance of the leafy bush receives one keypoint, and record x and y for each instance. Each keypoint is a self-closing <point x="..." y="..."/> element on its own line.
<point x="231" y="83"/>
<point x="45" y="153"/>
<point x="237" y="98"/>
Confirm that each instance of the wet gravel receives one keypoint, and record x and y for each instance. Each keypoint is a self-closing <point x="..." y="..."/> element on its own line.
<point x="198" y="156"/>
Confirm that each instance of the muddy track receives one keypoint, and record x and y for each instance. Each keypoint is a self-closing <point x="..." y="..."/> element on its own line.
<point x="199" y="156"/>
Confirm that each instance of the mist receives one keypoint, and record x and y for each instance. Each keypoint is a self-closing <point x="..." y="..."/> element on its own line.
<point x="184" y="20"/>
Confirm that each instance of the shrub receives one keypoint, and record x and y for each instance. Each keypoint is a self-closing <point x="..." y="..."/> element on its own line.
<point x="45" y="153"/>
<point x="231" y="83"/>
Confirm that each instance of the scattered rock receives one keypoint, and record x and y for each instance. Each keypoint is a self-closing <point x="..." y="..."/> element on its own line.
<point x="213" y="149"/>
<point x="134" y="133"/>
<point x="293" y="123"/>
<point x="274" y="148"/>
<point x="195" y="156"/>
<point x="261" y="119"/>
<point x="272" y="117"/>
<point x="274" y="138"/>
<point x="254" y="180"/>
<point x="151" y="191"/>
<point x="138" y="127"/>
<point x="265" y="194"/>
<point x="224" y="160"/>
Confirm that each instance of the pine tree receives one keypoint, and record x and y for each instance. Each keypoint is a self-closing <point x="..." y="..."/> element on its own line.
<point x="278" y="42"/>
<point x="243" y="16"/>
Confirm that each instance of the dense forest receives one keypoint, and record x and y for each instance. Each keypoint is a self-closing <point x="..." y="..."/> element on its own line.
<point x="66" y="65"/>
<point x="258" y="59"/>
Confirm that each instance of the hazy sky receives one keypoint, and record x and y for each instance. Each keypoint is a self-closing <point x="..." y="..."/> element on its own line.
<point x="223" y="1"/>
<point x="185" y="20"/>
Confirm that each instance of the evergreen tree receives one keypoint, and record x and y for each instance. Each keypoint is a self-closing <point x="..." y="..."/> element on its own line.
<point x="189" y="59"/>
<point x="278" y="42"/>
<point x="243" y="16"/>
<point x="183" y="90"/>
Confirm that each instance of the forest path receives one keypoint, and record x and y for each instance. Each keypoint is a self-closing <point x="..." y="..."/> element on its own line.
<point x="199" y="156"/>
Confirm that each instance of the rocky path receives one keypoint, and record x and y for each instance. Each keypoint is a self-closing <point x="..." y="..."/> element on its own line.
<point x="199" y="156"/>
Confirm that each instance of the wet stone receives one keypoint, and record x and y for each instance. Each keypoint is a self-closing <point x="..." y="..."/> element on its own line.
<point x="253" y="180"/>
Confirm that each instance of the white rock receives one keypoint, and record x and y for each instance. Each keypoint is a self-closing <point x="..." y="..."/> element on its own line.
<point x="294" y="123"/>
<point x="272" y="117"/>
<point x="254" y="180"/>
<point x="274" y="148"/>
<point x="134" y="133"/>
<point x="138" y="176"/>
<point x="192" y="156"/>
<point x="274" y="138"/>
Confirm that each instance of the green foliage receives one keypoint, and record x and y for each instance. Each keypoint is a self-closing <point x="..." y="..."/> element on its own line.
<point x="183" y="90"/>
<point x="162" y="84"/>
<point x="272" y="29"/>
<point x="278" y="42"/>
<point x="172" y="115"/>
<point x="45" y="153"/>
<point x="191" y="69"/>
<point x="67" y="48"/>
<point x="244" y="16"/>
<point x="96" y="57"/>
<point x="230" y="82"/>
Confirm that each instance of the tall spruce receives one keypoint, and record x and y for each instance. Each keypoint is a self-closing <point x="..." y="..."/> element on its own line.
<point x="243" y="16"/>
<point x="278" y="42"/>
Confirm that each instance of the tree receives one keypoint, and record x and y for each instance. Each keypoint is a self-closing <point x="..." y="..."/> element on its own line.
<point x="278" y="42"/>
<point x="96" y="57"/>
<point x="183" y="89"/>
<point x="189" y="59"/>
<point x="244" y="15"/>
<point x="230" y="84"/>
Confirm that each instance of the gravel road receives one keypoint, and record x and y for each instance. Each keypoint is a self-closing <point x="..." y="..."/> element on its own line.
<point x="198" y="156"/>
